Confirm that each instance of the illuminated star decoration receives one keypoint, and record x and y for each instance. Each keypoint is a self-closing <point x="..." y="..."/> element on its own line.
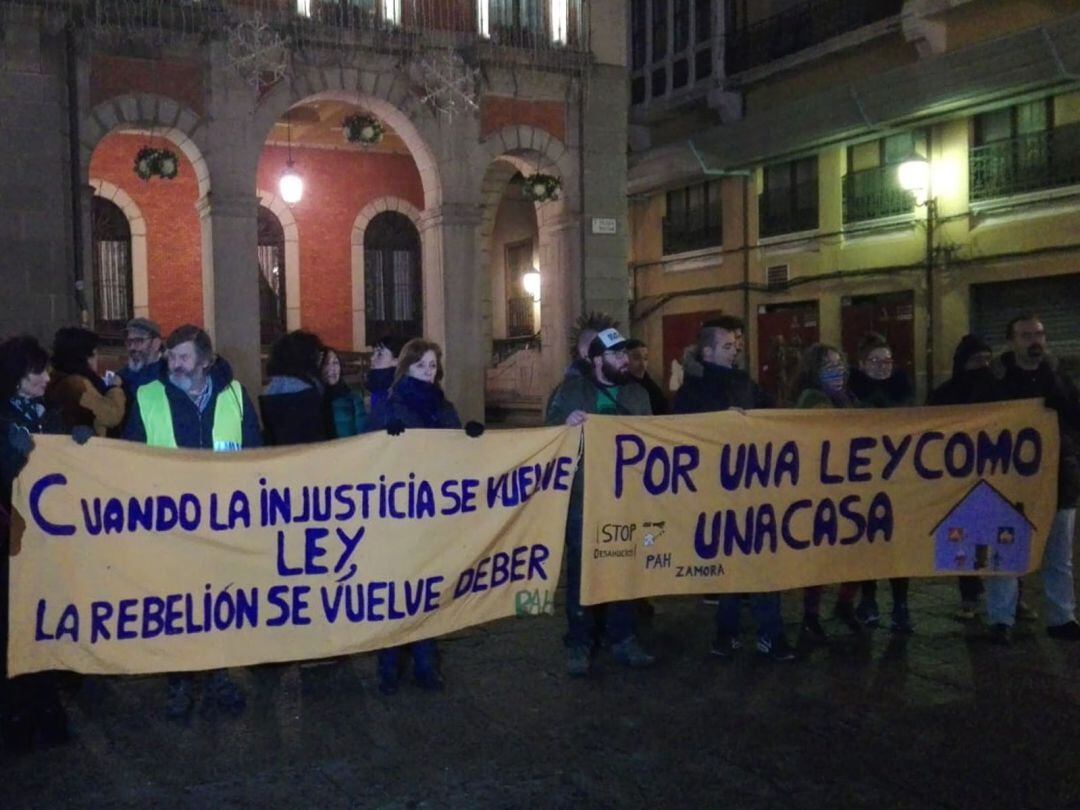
<point x="257" y="52"/>
<point x="449" y="85"/>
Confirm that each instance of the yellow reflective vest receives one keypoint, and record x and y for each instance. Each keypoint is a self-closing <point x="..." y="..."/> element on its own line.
<point x="228" y="429"/>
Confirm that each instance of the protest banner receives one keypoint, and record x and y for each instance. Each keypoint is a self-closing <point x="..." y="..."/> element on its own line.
<point x="132" y="560"/>
<point x="770" y="500"/>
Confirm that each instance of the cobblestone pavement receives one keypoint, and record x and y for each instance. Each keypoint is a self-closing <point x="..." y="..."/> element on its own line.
<point x="942" y="719"/>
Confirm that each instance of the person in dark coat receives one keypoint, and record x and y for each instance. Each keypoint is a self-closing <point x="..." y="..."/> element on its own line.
<point x="416" y="400"/>
<point x="292" y="405"/>
<point x="877" y="383"/>
<point x="384" y="360"/>
<point x="145" y="361"/>
<point x="345" y="412"/>
<point x="76" y="389"/>
<point x="639" y="370"/>
<point x="971" y="383"/>
<point x="1030" y="371"/>
<point x="30" y="707"/>
<point x="711" y="382"/>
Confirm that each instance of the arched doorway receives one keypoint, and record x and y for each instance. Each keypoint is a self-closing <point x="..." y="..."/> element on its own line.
<point x="393" y="302"/>
<point x="272" y="304"/>
<point x="111" y="239"/>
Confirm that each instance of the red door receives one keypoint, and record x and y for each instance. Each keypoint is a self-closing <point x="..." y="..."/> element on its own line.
<point x="890" y="315"/>
<point x="784" y="330"/>
<point x="681" y="331"/>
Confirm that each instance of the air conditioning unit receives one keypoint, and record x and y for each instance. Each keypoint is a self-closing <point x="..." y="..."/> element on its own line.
<point x="777" y="275"/>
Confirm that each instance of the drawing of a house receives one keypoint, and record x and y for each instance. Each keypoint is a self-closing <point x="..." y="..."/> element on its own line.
<point x="984" y="532"/>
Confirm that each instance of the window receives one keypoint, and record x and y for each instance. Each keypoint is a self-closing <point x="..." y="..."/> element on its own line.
<point x="392" y="283"/>
<point x="669" y="40"/>
<point x="789" y="200"/>
<point x="391" y="10"/>
<point x="560" y="20"/>
<point x="1018" y="149"/>
<point x="520" y="307"/>
<point x="271" y="242"/>
<point x="483" y="18"/>
<point x="303" y="8"/>
<point x="693" y="220"/>
<point x="871" y="186"/>
<point x="514" y="22"/>
<point x="111" y="238"/>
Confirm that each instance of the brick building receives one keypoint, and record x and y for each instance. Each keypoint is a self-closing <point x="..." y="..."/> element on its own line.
<point x="425" y="230"/>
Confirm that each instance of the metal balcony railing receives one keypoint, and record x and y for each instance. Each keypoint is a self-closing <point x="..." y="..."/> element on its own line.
<point x="800" y="27"/>
<point x="519" y="317"/>
<point x="1041" y="160"/>
<point x="780" y="212"/>
<point x="697" y="229"/>
<point x="873" y="194"/>
<point x="504" y="348"/>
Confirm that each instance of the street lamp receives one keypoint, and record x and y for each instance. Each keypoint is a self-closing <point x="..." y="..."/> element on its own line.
<point x="290" y="186"/>
<point x="531" y="282"/>
<point x="913" y="175"/>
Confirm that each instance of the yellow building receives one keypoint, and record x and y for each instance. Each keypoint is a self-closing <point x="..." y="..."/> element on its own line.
<point x="766" y="185"/>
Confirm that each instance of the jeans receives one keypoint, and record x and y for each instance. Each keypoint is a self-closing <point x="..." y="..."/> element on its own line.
<point x="1002" y="593"/>
<point x="584" y="624"/>
<point x="424" y="654"/>
<point x="765" y="608"/>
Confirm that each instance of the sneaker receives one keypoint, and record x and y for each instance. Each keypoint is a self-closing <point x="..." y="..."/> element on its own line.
<point x="845" y="612"/>
<point x="725" y="646"/>
<point x="867" y="614"/>
<point x="1070" y="631"/>
<point x="777" y="649"/>
<point x="812" y="629"/>
<point x="1000" y="633"/>
<point x="578" y="661"/>
<point x="630" y="653"/>
<point x="179" y="701"/>
<point x="967" y="612"/>
<point x="901" y="620"/>
<point x="1025" y="612"/>
<point x="429" y="679"/>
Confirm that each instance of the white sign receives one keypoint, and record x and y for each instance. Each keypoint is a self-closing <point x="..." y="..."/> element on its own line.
<point x="604" y="225"/>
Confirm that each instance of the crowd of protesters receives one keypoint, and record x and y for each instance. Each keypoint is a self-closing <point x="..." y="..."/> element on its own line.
<point x="176" y="392"/>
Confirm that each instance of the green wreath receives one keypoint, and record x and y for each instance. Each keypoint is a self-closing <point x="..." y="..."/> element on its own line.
<point x="542" y="187"/>
<point x="150" y="162"/>
<point x="365" y="129"/>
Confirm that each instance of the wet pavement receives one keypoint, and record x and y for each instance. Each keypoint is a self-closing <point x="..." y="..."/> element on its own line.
<point x="939" y="719"/>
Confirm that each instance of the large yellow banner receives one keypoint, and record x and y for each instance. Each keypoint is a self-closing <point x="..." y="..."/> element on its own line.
<point x="128" y="559"/>
<point x="738" y="502"/>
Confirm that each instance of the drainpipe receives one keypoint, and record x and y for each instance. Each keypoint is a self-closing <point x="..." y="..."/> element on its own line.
<point x="71" y="70"/>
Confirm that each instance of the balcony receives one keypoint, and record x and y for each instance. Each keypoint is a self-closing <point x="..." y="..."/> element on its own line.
<point x="787" y="210"/>
<point x="801" y="27"/>
<point x="873" y="194"/>
<point x="1041" y="160"/>
<point x="696" y="230"/>
<point x="519" y="317"/>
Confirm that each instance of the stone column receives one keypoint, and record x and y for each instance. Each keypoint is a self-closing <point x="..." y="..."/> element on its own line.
<point x="231" y="282"/>
<point x="454" y="312"/>
<point x="560" y="290"/>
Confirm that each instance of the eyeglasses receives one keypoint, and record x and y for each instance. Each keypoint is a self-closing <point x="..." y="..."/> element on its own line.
<point x="137" y="341"/>
<point x="618" y="353"/>
<point x="880" y="361"/>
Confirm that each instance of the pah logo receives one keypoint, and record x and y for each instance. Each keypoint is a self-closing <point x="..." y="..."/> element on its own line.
<point x="654" y="531"/>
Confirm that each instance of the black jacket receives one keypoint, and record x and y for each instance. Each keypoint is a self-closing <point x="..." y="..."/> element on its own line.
<point x="709" y="387"/>
<point x="1060" y="394"/>
<point x="32" y="418"/>
<point x="294" y="417"/>
<point x="895" y="392"/>
<point x="416" y="404"/>
<point x="657" y="399"/>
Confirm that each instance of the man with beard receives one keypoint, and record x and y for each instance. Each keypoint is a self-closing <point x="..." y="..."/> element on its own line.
<point x="713" y="383"/>
<point x="143" y="342"/>
<point x="1029" y="372"/>
<point x="639" y="368"/>
<point x="604" y="387"/>
<point x="972" y="382"/>
<point x="195" y="404"/>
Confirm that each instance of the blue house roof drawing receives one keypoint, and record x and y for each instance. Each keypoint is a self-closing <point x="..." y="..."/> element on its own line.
<point x="984" y="532"/>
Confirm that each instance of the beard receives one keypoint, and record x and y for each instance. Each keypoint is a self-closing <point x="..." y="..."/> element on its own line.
<point x="185" y="382"/>
<point x="1036" y="352"/>
<point x="614" y="374"/>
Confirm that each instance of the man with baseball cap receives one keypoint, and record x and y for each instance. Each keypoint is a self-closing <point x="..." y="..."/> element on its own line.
<point x="143" y="342"/>
<point x="606" y="388"/>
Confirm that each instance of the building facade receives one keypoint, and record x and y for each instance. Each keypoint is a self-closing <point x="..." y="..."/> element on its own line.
<point x="149" y="141"/>
<point x="766" y="139"/>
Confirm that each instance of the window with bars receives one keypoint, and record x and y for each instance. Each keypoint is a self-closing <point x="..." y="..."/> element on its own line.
<point x="393" y="303"/>
<point x="693" y="220"/>
<point x="111" y="238"/>
<point x="789" y="198"/>
<point x="871" y="185"/>
<point x="520" y="309"/>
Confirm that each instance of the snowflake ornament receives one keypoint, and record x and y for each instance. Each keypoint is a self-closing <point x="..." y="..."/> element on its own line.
<point x="257" y="52"/>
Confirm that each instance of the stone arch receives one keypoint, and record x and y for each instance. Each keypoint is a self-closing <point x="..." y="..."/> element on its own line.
<point x="140" y="276"/>
<point x="530" y="148"/>
<point x="140" y="111"/>
<point x="387" y="94"/>
<point x="279" y="208"/>
<point x="360" y="224"/>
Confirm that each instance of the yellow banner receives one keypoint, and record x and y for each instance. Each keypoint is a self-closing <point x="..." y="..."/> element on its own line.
<point x="134" y="559"/>
<point x="770" y="500"/>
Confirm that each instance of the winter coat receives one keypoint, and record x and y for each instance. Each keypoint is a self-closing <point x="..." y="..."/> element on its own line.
<point x="1061" y="395"/>
<point x="293" y="412"/>
<point x="79" y="402"/>
<point x="415" y="404"/>
<point x="657" y="400"/>
<point x="20" y="415"/>
<point x="710" y="387"/>
<point x="895" y="392"/>
<point x="346" y="415"/>
<point x="379" y="381"/>
<point x="194" y="429"/>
